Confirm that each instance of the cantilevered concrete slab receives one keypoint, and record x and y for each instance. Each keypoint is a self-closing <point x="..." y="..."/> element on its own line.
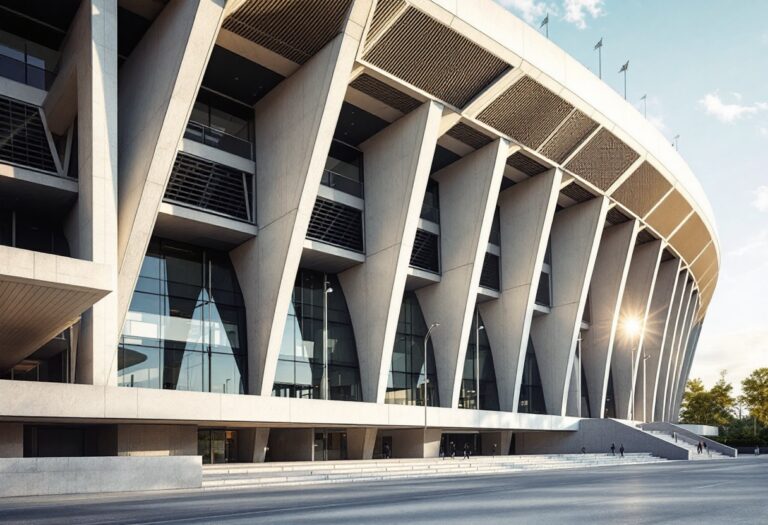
<point x="397" y="162"/>
<point x="43" y="294"/>
<point x="469" y="189"/>
<point x="526" y="213"/>
<point x="606" y="292"/>
<point x="574" y="241"/>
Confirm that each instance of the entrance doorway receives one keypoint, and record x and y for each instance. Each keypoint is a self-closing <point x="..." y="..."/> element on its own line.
<point x="217" y="446"/>
<point x="330" y="445"/>
<point x="458" y="440"/>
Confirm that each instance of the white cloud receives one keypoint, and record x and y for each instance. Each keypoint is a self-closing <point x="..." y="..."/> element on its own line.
<point x="532" y="11"/>
<point x="761" y="198"/>
<point x="577" y="11"/>
<point x="725" y="112"/>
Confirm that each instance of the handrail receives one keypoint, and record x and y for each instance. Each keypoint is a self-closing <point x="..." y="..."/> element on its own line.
<point x="218" y="139"/>
<point x="341" y="182"/>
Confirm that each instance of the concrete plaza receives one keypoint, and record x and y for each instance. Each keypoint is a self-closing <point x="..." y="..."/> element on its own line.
<point x="718" y="491"/>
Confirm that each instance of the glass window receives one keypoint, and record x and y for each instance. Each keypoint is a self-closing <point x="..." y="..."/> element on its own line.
<point x="531" y="390"/>
<point x="479" y="359"/>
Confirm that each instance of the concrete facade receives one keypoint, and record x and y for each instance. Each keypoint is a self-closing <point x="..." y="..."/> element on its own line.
<point x="225" y="149"/>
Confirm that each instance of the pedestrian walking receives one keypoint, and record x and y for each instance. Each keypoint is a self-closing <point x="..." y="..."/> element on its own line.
<point x="494" y="450"/>
<point x="674" y="435"/>
<point x="757" y="451"/>
<point x="442" y="452"/>
<point x="613" y="449"/>
<point x="453" y="450"/>
<point x="706" y="449"/>
<point x="387" y="451"/>
<point x="621" y="450"/>
<point x="583" y="450"/>
<point x="466" y="450"/>
<point x="698" y="447"/>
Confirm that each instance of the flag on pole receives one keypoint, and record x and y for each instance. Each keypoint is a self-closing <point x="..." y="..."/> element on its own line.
<point x="545" y="21"/>
<point x="599" y="44"/>
<point x="643" y="97"/>
<point x="624" y="67"/>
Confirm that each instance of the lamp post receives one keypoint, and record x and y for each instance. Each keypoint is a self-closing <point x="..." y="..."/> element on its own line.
<point x="426" y="376"/>
<point x="478" y="327"/>
<point x="578" y="388"/>
<point x="324" y="387"/>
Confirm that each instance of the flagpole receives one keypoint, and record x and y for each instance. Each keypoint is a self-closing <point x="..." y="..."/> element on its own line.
<point x="600" y="60"/>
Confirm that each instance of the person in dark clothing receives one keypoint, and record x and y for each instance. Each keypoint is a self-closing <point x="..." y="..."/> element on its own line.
<point x="494" y="450"/>
<point x="387" y="451"/>
<point x="613" y="449"/>
<point x="621" y="450"/>
<point x="453" y="450"/>
<point x="442" y="452"/>
<point x="705" y="448"/>
<point x="698" y="447"/>
<point x="466" y="450"/>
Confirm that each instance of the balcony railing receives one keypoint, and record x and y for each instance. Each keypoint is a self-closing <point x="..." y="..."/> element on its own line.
<point x="218" y="139"/>
<point x="340" y="182"/>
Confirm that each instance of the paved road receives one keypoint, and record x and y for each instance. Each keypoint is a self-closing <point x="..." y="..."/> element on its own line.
<point x="701" y="492"/>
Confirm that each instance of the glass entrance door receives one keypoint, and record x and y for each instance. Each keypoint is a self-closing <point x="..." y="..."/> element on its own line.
<point x="330" y="445"/>
<point x="217" y="446"/>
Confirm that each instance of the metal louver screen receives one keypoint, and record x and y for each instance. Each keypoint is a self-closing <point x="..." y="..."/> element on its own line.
<point x="489" y="277"/>
<point x="426" y="252"/>
<point x="210" y="186"/>
<point x="22" y="136"/>
<point x="336" y="224"/>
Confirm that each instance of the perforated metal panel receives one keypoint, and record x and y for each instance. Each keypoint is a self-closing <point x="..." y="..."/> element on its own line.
<point x="210" y="186"/>
<point x="527" y="111"/>
<point x="434" y="58"/>
<point x="385" y="11"/>
<point x="22" y="136"/>
<point x="295" y="29"/>
<point x="642" y="190"/>
<point x="385" y="93"/>
<point x="489" y="277"/>
<point x="603" y="159"/>
<point x="577" y="193"/>
<point x="669" y="214"/>
<point x="336" y="224"/>
<point x="426" y="251"/>
<point x="527" y="165"/>
<point x="469" y="135"/>
<point x="566" y="139"/>
<point x="691" y="238"/>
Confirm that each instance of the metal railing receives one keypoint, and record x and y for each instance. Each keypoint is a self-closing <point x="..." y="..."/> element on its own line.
<point x="218" y="139"/>
<point x="341" y="182"/>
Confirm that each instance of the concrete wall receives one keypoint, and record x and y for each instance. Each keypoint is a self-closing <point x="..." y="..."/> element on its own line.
<point x="414" y="443"/>
<point x="156" y="440"/>
<point x="45" y="476"/>
<point x="291" y="444"/>
<point x="694" y="434"/>
<point x="596" y="435"/>
<point x="11" y="440"/>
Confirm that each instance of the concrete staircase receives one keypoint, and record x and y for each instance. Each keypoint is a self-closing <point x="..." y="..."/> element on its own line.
<point x="256" y="475"/>
<point x="687" y="443"/>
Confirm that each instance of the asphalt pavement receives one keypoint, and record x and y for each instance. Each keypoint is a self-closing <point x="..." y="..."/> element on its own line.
<point x="701" y="492"/>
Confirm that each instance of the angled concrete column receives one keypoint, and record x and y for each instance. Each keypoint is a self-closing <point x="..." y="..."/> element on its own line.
<point x="605" y="293"/>
<point x="628" y="348"/>
<point x="667" y="350"/>
<point x="526" y="213"/>
<point x="361" y="442"/>
<point x="158" y="86"/>
<point x="396" y="163"/>
<point x="685" y="293"/>
<point x="87" y="89"/>
<point x="575" y="238"/>
<point x="659" y="316"/>
<point x="693" y="340"/>
<point x="253" y="444"/>
<point x="469" y="189"/>
<point x="294" y="128"/>
<point x="682" y="335"/>
<point x="679" y="377"/>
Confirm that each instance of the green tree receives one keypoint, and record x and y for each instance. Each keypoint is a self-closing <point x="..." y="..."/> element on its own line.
<point x="755" y="394"/>
<point x="708" y="407"/>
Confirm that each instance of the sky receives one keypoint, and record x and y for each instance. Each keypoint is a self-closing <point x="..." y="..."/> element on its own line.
<point x="704" y="67"/>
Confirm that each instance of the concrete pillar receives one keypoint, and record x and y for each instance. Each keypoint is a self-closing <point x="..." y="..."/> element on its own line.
<point x="469" y="189"/>
<point x="253" y="444"/>
<point x="679" y="377"/>
<point x="361" y="442"/>
<point x="502" y="439"/>
<point x="606" y="292"/>
<point x="526" y="213"/>
<point x="86" y="88"/>
<point x="656" y="325"/>
<point x="575" y="239"/>
<point x="693" y="340"/>
<point x="396" y="165"/>
<point x="156" y="440"/>
<point x="11" y="440"/>
<point x="415" y="443"/>
<point x="635" y="304"/>
<point x="683" y="323"/>
<point x="667" y="350"/>
<point x="158" y="86"/>
<point x="294" y="128"/>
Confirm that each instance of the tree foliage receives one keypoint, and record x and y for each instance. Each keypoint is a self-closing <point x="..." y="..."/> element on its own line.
<point x="708" y="407"/>
<point x="755" y="394"/>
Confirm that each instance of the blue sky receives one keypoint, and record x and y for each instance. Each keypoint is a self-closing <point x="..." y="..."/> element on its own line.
<point x="704" y="66"/>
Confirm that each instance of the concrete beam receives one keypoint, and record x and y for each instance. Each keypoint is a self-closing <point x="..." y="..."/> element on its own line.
<point x="469" y="189"/>
<point x="526" y="213"/>
<point x="158" y="91"/>
<point x="656" y="330"/>
<point x="396" y="162"/>
<point x="294" y="128"/>
<point x="606" y="292"/>
<point x="668" y="347"/>
<point x="628" y="348"/>
<point x="575" y="238"/>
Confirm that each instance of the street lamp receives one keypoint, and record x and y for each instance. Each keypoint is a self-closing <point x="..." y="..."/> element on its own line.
<point x="426" y="376"/>
<point x="478" y="327"/>
<point x="326" y="290"/>
<point x="632" y="328"/>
